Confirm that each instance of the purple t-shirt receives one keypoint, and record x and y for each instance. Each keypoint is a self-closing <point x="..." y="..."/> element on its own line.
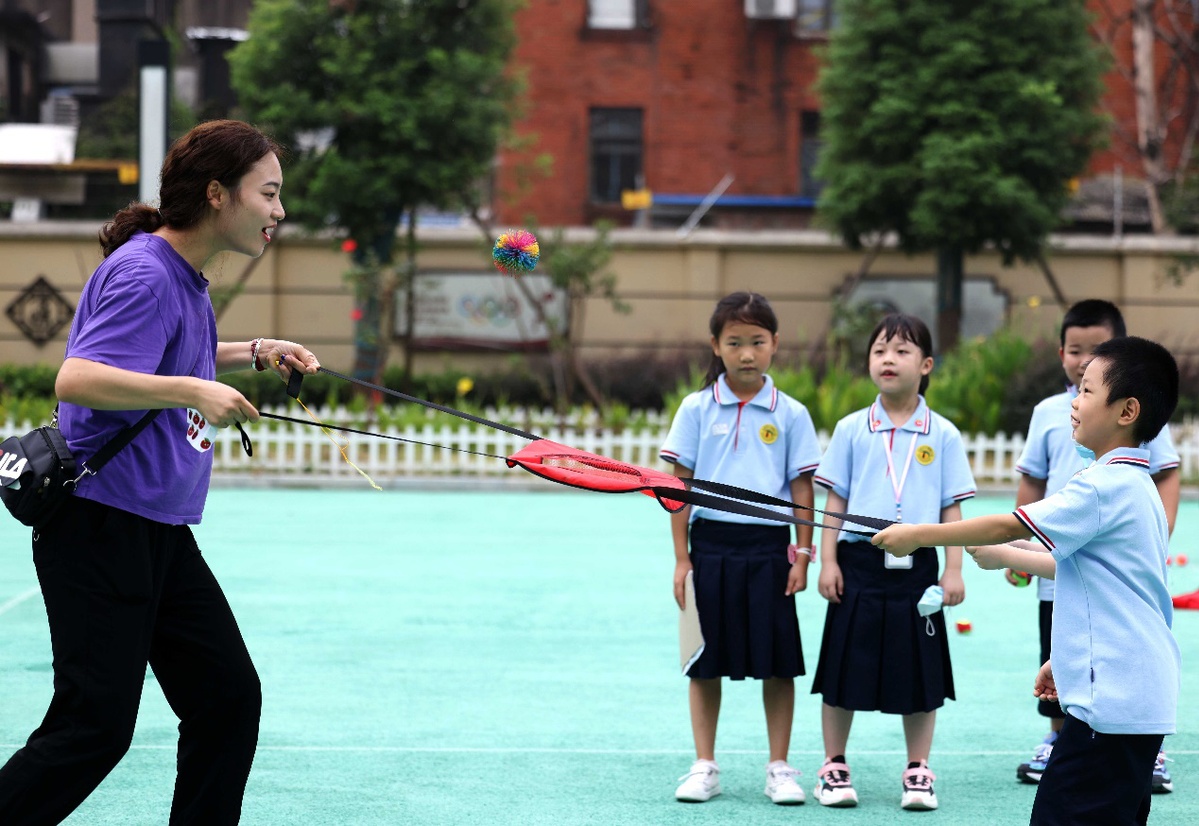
<point x="146" y="310"/>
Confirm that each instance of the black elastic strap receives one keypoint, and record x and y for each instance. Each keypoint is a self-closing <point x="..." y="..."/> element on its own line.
<point x="691" y="497"/>
<point x="293" y="383"/>
<point x="762" y="498"/>
<point x="327" y="426"/>
<point x="432" y="405"/>
<point x="117" y="443"/>
<point x="707" y="500"/>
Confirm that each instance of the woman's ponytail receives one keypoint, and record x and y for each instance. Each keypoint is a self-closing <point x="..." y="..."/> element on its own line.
<point x="133" y="218"/>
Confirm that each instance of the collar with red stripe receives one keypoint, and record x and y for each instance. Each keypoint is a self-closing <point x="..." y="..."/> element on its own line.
<point x="921" y="421"/>
<point x="768" y="396"/>
<point x="1137" y="457"/>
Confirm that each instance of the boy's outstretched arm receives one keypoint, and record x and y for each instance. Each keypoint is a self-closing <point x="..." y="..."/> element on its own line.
<point x="902" y="540"/>
<point x="1019" y="555"/>
<point x="1028" y="491"/>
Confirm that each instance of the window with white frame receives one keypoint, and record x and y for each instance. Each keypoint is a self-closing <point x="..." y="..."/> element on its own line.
<point x="616" y="152"/>
<point x="816" y="17"/>
<point x="612" y="14"/>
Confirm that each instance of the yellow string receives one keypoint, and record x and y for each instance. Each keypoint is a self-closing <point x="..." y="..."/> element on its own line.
<point x="341" y="448"/>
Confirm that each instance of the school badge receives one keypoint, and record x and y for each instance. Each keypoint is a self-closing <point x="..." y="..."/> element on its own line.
<point x="769" y="434"/>
<point x="925" y="454"/>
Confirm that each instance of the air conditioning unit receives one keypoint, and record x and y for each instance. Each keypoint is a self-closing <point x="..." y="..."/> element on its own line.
<point x="60" y="109"/>
<point x="770" y="9"/>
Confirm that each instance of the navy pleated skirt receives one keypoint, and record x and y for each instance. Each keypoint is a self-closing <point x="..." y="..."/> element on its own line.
<point x="877" y="653"/>
<point x="749" y="625"/>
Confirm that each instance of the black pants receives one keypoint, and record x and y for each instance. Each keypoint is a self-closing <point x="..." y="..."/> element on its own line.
<point x="1047" y="708"/>
<point x="122" y="591"/>
<point x="1096" y="779"/>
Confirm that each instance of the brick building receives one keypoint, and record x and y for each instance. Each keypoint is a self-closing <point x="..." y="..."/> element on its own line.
<point x="670" y="95"/>
<point x="675" y="96"/>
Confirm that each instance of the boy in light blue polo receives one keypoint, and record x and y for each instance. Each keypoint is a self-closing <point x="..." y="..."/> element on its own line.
<point x="1115" y="663"/>
<point x="1049" y="460"/>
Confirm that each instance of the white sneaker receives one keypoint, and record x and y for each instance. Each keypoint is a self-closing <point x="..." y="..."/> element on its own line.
<point x="918" y="794"/>
<point x="702" y="783"/>
<point x="1162" y="782"/>
<point x="781" y="785"/>
<point x="833" y="786"/>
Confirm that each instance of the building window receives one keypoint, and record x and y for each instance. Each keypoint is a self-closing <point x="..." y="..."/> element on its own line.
<point x="809" y="153"/>
<point x="616" y="152"/>
<point x="816" y="18"/>
<point x="612" y="14"/>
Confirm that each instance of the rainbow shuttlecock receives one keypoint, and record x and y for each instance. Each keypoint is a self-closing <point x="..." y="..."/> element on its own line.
<point x="516" y="251"/>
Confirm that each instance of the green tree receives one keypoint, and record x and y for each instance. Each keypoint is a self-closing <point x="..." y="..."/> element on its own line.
<point x="389" y="105"/>
<point x="957" y="124"/>
<point x="579" y="269"/>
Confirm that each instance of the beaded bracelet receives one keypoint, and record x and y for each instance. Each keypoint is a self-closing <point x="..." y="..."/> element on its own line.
<point x="254" y="362"/>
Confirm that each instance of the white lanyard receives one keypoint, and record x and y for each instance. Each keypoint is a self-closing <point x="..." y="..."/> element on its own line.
<point x="897" y="484"/>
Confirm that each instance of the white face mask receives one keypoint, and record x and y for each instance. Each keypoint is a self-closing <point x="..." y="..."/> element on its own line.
<point x="1085" y="452"/>
<point x="930" y="600"/>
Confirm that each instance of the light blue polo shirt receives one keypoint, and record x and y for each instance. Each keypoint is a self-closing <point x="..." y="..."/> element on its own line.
<point x="855" y="465"/>
<point x="760" y="445"/>
<point x="1115" y="659"/>
<point x="1049" y="453"/>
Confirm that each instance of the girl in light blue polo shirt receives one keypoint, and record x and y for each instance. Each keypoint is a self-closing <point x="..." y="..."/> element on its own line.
<point x="899" y="460"/>
<point x="740" y="430"/>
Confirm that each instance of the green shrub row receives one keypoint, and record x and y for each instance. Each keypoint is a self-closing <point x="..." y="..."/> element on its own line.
<point x="985" y="386"/>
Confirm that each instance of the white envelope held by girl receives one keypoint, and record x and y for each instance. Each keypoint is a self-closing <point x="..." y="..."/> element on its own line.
<point x="691" y="638"/>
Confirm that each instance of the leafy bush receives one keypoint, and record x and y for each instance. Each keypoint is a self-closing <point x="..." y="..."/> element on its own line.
<point x="33" y="380"/>
<point x="20" y="409"/>
<point x="986" y="386"/>
<point x="969" y="385"/>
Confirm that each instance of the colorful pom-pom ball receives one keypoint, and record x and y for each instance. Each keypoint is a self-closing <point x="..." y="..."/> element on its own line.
<point x="1022" y="578"/>
<point x="516" y="251"/>
<point x="964" y="626"/>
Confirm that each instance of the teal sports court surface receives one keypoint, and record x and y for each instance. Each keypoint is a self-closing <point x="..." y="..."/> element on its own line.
<point x="510" y="657"/>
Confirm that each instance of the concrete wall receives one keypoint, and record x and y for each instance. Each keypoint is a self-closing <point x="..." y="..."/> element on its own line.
<point x="296" y="289"/>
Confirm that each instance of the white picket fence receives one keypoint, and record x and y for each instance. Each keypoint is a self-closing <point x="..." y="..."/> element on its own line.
<point x="464" y="451"/>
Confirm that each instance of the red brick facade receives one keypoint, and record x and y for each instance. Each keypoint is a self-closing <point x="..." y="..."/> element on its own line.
<point x="719" y="93"/>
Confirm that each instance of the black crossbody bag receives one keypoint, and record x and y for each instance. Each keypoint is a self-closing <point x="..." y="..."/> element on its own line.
<point x="38" y="472"/>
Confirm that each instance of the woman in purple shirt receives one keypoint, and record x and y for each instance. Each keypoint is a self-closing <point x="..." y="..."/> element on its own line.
<point x="122" y="578"/>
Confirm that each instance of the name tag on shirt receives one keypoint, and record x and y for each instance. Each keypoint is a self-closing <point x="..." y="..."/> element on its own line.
<point x="720" y="429"/>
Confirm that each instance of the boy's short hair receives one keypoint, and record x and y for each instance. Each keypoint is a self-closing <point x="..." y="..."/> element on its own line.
<point x="1144" y="370"/>
<point x="1094" y="312"/>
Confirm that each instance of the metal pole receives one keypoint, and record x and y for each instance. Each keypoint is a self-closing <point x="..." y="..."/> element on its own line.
<point x="153" y="58"/>
<point x="704" y="206"/>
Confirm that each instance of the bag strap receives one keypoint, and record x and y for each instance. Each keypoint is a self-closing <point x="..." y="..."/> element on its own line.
<point x="114" y="445"/>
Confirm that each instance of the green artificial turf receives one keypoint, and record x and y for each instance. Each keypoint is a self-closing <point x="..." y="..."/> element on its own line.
<point x="511" y="658"/>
